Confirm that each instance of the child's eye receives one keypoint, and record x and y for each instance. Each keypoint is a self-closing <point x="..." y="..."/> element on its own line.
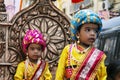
<point x="96" y="31"/>
<point x="39" y="49"/>
<point x="87" y="30"/>
<point x="32" y="48"/>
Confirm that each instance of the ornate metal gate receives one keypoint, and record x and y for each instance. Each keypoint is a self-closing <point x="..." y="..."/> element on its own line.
<point x="43" y="16"/>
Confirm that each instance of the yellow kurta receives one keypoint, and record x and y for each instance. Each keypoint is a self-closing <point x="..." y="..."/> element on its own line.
<point x="63" y="62"/>
<point x="46" y="75"/>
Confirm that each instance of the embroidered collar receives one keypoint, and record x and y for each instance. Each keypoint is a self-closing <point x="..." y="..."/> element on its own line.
<point x="80" y="49"/>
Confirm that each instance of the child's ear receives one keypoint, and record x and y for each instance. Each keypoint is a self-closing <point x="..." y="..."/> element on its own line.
<point x="26" y="53"/>
<point x="77" y="34"/>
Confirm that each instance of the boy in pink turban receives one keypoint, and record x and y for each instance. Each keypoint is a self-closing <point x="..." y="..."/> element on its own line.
<point x="33" y="68"/>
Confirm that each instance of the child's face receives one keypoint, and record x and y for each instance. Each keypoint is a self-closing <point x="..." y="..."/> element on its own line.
<point x="34" y="51"/>
<point x="88" y="33"/>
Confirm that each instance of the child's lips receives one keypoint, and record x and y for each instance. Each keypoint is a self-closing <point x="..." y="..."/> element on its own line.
<point x="35" y="56"/>
<point x="92" y="39"/>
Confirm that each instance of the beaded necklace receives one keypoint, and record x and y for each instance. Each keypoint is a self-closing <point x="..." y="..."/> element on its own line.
<point x="71" y="57"/>
<point x="27" y="62"/>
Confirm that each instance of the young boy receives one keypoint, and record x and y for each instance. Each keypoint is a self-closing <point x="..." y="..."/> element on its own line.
<point x="33" y="68"/>
<point x="81" y="60"/>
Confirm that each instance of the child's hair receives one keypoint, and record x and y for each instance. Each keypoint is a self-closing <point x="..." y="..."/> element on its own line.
<point x="33" y="36"/>
<point x="113" y="68"/>
<point x="82" y="17"/>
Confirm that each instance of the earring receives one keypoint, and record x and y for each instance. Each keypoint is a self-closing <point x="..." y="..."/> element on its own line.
<point x="26" y="55"/>
<point x="78" y="40"/>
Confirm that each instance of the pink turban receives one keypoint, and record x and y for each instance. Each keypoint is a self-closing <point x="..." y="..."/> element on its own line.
<point x="33" y="36"/>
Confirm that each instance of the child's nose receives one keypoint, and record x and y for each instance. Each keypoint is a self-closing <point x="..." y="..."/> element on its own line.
<point x="93" y="32"/>
<point x="36" y="50"/>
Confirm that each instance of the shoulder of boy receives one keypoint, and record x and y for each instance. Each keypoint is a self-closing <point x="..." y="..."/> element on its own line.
<point x="67" y="46"/>
<point x="101" y="51"/>
<point x="21" y="64"/>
